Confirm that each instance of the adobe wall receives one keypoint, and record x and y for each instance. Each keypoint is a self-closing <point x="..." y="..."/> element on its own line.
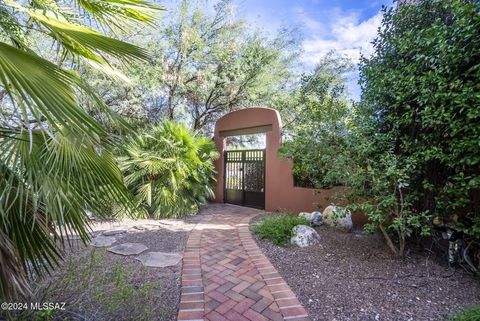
<point x="280" y="192"/>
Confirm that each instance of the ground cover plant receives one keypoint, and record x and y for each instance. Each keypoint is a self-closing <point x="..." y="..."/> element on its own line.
<point x="278" y="228"/>
<point x="470" y="314"/>
<point x="354" y="277"/>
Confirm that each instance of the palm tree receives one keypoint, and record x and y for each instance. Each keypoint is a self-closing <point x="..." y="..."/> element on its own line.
<point x="55" y="159"/>
<point x="169" y="169"/>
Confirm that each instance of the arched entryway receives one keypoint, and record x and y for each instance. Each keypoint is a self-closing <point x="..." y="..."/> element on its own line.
<point x="279" y="192"/>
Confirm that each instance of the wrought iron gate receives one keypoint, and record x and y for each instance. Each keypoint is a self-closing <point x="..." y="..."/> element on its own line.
<point x="245" y="178"/>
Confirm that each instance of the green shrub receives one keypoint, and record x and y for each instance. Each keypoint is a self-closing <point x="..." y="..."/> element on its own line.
<point x="278" y="228"/>
<point x="169" y="169"/>
<point x="408" y="151"/>
<point x="471" y="314"/>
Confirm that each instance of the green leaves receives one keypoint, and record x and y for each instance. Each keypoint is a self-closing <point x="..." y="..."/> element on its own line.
<point x="55" y="163"/>
<point x="121" y="13"/>
<point x="169" y="169"/>
<point x="48" y="184"/>
<point x="42" y="90"/>
<point x="419" y="103"/>
<point x="278" y="228"/>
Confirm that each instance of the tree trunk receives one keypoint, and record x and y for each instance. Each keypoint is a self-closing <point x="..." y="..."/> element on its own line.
<point x="397" y="252"/>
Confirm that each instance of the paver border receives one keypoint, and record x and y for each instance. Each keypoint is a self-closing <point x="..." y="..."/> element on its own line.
<point x="287" y="301"/>
<point x="192" y="297"/>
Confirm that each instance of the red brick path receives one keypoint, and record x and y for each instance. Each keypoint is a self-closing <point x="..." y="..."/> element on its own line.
<point x="225" y="275"/>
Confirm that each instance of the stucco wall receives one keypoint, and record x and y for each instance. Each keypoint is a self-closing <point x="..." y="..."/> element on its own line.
<point x="280" y="192"/>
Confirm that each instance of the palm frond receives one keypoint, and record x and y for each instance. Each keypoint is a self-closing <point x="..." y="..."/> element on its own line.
<point x="121" y="13"/>
<point x="170" y="169"/>
<point x="48" y="184"/>
<point x="80" y="39"/>
<point x="43" y="91"/>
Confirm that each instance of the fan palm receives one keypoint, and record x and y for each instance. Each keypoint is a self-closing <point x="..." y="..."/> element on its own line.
<point x="55" y="164"/>
<point x="169" y="169"/>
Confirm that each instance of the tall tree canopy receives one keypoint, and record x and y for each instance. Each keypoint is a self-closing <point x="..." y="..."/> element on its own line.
<point x="409" y="151"/>
<point x="206" y="63"/>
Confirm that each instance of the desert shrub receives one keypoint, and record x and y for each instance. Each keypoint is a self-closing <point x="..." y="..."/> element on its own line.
<point x="169" y="169"/>
<point x="470" y="314"/>
<point x="278" y="228"/>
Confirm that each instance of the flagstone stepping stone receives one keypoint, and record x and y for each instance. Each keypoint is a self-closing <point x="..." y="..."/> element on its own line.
<point x="102" y="241"/>
<point x="159" y="259"/>
<point x="128" y="248"/>
<point x="114" y="232"/>
<point x="146" y="227"/>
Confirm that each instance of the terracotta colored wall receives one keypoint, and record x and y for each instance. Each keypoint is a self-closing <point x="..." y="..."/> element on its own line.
<point x="280" y="192"/>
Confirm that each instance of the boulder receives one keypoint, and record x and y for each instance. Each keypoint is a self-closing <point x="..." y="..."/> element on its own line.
<point x="306" y="215"/>
<point x="337" y="216"/>
<point x="303" y="236"/>
<point x="317" y="219"/>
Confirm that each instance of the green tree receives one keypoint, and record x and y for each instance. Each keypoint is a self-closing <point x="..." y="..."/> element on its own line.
<point x="216" y="64"/>
<point x="409" y="150"/>
<point x="55" y="164"/>
<point x="205" y="63"/>
<point x="317" y="115"/>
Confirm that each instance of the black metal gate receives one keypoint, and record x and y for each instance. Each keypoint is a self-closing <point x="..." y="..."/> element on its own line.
<point x="245" y="177"/>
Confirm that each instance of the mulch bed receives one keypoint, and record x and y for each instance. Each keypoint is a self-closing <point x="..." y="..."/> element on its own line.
<point x="352" y="276"/>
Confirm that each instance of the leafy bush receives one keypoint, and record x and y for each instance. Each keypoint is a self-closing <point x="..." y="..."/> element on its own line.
<point x="278" y="228"/>
<point x="409" y="150"/>
<point x="420" y="117"/>
<point x="320" y="125"/>
<point x="471" y="314"/>
<point x="169" y="169"/>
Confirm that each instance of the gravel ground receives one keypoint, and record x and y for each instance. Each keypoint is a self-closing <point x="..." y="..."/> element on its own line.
<point x="98" y="285"/>
<point x="352" y="276"/>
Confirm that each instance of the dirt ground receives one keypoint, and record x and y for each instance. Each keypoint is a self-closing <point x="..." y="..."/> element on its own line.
<point x="352" y="276"/>
<point x="98" y="285"/>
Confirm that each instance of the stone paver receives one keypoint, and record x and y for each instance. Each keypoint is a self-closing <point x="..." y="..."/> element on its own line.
<point x="159" y="259"/>
<point x="128" y="249"/>
<point x="225" y="276"/>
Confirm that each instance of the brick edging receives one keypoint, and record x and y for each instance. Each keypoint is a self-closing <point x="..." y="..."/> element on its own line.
<point x="290" y="308"/>
<point x="192" y="296"/>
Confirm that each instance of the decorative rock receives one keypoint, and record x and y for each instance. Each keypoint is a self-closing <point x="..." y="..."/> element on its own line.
<point x="102" y="241"/>
<point x="159" y="259"/>
<point x="338" y="217"/>
<point x="128" y="249"/>
<point x="316" y="219"/>
<point x="114" y="232"/>
<point x="306" y="215"/>
<point x="303" y="236"/>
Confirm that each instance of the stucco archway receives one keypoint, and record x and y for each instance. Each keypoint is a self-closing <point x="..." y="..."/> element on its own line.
<point x="280" y="192"/>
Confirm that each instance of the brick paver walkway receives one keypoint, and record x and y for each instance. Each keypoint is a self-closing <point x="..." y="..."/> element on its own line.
<point x="225" y="276"/>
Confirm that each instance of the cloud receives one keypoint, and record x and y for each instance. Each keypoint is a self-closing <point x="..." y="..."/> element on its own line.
<point x="345" y="33"/>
